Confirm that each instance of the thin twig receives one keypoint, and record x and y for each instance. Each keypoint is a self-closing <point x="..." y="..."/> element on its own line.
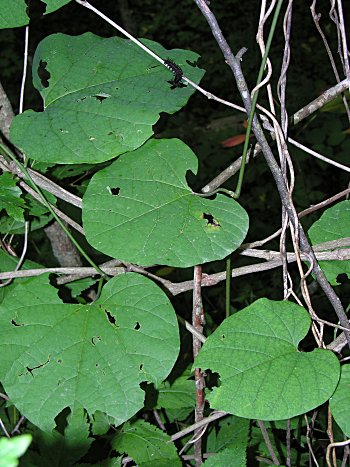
<point x="4" y="428"/>
<point x="268" y="442"/>
<point x="18" y="424"/>
<point x="330" y="435"/>
<point x="214" y="416"/>
<point x="332" y="446"/>
<point x="318" y="155"/>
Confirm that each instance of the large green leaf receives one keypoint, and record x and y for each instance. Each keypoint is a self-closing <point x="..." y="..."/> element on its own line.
<point x="101" y="97"/>
<point x="147" y="445"/>
<point x="340" y="401"/>
<point x="263" y="375"/>
<point x="141" y="210"/>
<point x="13" y="13"/>
<point x="55" y="355"/>
<point x="332" y="225"/>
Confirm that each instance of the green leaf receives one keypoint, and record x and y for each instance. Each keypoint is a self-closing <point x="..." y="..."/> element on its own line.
<point x="340" y="401"/>
<point x="78" y="286"/>
<point x="234" y="455"/>
<point x="92" y="356"/>
<point x="37" y="214"/>
<point x="9" y="263"/>
<point x="233" y="431"/>
<point x="141" y="210"/>
<point x="60" y="450"/>
<point x="12" y="449"/>
<point x="101" y="96"/>
<point x="147" y="445"/>
<point x="231" y="442"/>
<point x="263" y="375"/>
<point x="332" y="225"/>
<point x="180" y="394"/>
<point x="13" y="13"/>
<point x="10" y="197"/>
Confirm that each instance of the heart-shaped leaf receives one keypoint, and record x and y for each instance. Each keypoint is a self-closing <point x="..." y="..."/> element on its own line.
<point x="141" y="210"/>
<point x="263" y="375"/>
<point x="332" y="225"/>
<point x="101" y="95"/>
<point x="55" y="355"/>
<point x="340" y="401"/>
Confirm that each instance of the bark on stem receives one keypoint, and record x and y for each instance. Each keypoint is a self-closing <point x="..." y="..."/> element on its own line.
<point x="234" y="63"/>
<point x="198" y="322"/>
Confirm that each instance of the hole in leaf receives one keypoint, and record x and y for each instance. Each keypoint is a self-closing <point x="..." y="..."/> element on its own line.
<point x="115" y="191"/>
<point x="59" y="360"/>
<point x="223" y="336"/>
<point x="110" y="318"/>
<point x="194" y="64"/>
<point x="62" y="420"/>
<point x="100" y="97"/>
<point x="343" y="279"/>
<point x="36" y="9"/>
<point x="137" y="326"/>
<point x="15" y="323"/>
<point x="141" y="367"/>
<point x="210" y="220"/>
<point x="96" y="340"/>
<point x="43" y="74"/>
<point x="30" y="370"/>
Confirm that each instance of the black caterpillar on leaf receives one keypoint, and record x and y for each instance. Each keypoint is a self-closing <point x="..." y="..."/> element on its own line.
<point x="177" y="71"/>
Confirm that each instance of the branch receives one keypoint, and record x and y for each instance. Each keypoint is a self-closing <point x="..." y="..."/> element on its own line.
<point x="42" y="182"/>
<point x="176" y="288"/>
<point x="7" y="113"/>
<point x="235" y="64"/>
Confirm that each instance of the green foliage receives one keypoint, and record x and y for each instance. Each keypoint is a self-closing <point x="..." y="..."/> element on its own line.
<point x="268" y="378"/>
<point x="339" y="402"/>
<point x="101" y="98"/>
<point x="141" y="210"/>
<point x="72" y="350"/>
<point x="12" y="449"/>
<point x="146" y="444"/>
<point x="14" y="13"/>
<point x="59" y="450"/>
<point x="230" y="443"/>
<point x="36" y="213"/>
<point x="85" y="364"/>
<point x="10" y="197"/>
<point x="332" y="225"/>
<point x="177" y="395"/>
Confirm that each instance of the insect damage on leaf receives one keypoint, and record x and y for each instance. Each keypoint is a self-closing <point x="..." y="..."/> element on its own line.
<point x="210" y="220"/>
